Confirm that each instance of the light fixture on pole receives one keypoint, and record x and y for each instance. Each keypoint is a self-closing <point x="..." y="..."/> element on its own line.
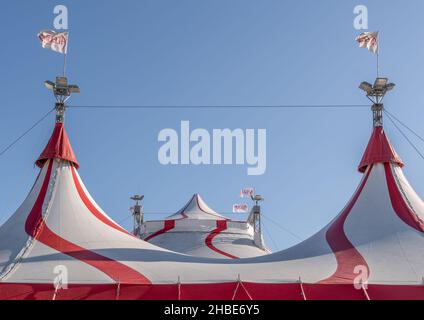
<point x="62" y="92"/>
<point x="257" y="198"/>
<point x="255" y="220"/>
<point x="375" y="93"/>
<point x="138" y="214"/>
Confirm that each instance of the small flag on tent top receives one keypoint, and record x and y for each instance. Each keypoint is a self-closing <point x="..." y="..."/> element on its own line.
<point x="56" y="41"/>
<point x="240" y="208"/>
<point x="368" y="40"/>
<point x="247" y="192"/>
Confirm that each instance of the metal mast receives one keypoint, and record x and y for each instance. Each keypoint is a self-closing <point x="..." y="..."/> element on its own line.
<point x="375" y="93"/>
<point x="138" y="214"/>
<point x="255" y="220"/>
<point x="62" y="92"/>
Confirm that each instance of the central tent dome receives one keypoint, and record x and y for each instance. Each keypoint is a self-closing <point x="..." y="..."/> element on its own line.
<point x="199" y="231"/>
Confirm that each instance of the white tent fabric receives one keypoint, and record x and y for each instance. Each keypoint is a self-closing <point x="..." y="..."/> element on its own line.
<point x="376" y="240"/>
<point x="196" y="209"/>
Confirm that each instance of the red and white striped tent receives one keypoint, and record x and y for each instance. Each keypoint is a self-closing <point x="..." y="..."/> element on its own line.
<point x="199" y="231"/>
<point x="371" y="250"/>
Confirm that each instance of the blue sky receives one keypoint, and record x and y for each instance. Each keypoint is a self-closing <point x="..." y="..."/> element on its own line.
<point x="201" y="53"/>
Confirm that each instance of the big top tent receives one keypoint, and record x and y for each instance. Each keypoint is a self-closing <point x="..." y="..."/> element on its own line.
<point x="371" y="250"/>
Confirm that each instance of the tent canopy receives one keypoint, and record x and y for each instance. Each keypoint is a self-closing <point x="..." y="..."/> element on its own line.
<point x="377" y="240"/>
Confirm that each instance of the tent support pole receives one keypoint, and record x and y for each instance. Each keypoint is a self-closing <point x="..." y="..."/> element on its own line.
<point x="240" y="284"/>
<point x="301" y="288"/>
<point x="248" y="294"/>
<point x="118" y="290"/>
<point x="364" y="290"/>
<point x="179" y="288"/>
<point x="56" y="290"/>
<point x="235" y="290"/>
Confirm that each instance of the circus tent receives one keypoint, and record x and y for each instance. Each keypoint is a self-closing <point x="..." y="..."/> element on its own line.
<point x="199" y="231"/>
<point x="371" y="250"/>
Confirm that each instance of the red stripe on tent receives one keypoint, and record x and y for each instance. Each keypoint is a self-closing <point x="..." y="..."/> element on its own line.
<point x="211" y="291"/>
<point x="90" y="206"/>
<point x="184" y="216"/>
<point x="181" y="212"/>
<point x="403" y="292"/>
<point x="399" y="204"/>
<point x="346" y="255"/>
<point x="35" y="220"/>
<point x="168" y="225"/>
<point x="36" y="227"/>
<point x="333" y="292"/>
<point x="221" y="225"/>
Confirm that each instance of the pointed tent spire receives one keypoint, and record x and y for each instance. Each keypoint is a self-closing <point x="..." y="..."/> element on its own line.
<point x="58" y="147"/>
<point x="196" y="208"/>
<point x="379" y="150"/>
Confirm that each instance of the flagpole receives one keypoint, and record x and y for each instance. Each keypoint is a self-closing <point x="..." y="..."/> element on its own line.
<point x="378" y="67"/>
<point x="64" y="64"/>
<point x="65" y="58"/>
<point x="378" y="54"/>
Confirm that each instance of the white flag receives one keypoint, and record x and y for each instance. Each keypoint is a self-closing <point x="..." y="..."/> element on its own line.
<point x="56" y="41"/>
<point x="368" y="40"/>
<point x="247" y="192"/>
<point x="240" y="208"/>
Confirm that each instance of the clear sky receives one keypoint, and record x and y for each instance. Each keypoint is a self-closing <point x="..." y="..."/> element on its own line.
<point x="198" y="53"/>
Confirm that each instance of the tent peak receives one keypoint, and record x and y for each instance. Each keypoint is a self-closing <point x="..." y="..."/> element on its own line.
<point x="379" y="150"/>
<point x="58" y="147"/>
<point x="196" y="208"/>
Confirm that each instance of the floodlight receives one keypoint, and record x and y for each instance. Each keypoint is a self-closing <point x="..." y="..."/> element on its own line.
<point x="137" y="197"/>
<point x="367" y="87"/>
<point x="376" y="94"/>
<point x="74" y="88"/>
<point x="62" y="91"/>
<point x="390" y="86"/>
<point x="49" y="84"/>
<point x="380" y="83"/>
<point x="61" y="81"/>
<point x="257" y="198"/>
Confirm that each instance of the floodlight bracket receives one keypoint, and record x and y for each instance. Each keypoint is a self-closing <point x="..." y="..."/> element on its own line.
<point x="62" y="92"/>
<point x="376" y="94"/>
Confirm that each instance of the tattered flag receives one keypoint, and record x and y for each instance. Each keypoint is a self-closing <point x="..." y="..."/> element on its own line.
<point x="368" y="40"/>
<point x="247" y="192"/>
<point x="240" y="208"/>
<point x="56" y="41"/>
